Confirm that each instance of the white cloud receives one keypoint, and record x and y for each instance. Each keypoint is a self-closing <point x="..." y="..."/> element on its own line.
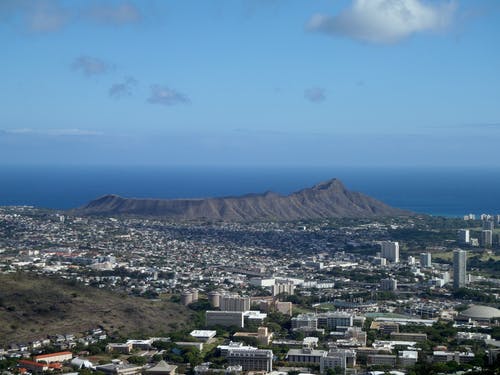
<point x="166" y="96"/>
<point x="385" y="21"/>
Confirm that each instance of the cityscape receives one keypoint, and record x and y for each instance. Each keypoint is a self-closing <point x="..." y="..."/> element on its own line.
<point x="404" y="294"/>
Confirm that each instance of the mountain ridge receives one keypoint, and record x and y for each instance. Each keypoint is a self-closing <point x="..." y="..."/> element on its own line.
<point x="323" y="200"/>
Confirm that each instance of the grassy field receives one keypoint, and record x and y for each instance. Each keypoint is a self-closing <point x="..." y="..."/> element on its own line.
<point x="32" y="307"/>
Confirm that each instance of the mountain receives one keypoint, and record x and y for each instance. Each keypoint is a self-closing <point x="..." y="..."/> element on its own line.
<point x="324" y="200"/>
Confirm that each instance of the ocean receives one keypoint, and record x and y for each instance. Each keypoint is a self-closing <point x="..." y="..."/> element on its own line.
<point x="434" y="191"/>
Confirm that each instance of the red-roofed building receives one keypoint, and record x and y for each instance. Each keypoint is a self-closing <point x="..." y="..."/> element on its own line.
<point x="54" y="357"/>
<point x="33" y="366"/>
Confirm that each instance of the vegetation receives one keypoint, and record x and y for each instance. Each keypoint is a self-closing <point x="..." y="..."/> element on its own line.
<point x="33" y="306"/>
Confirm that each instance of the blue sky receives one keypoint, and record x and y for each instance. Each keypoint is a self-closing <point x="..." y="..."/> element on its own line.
<point x="250" y="82"/>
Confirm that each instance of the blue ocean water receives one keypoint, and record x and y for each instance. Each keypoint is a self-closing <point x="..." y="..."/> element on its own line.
<point x="435" y="191"/>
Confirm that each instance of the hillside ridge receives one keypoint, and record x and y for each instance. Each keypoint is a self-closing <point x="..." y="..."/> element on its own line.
<point x="326" y="199"/>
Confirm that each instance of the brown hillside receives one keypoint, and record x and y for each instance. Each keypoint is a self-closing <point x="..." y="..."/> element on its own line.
<point x="32" y="307"/>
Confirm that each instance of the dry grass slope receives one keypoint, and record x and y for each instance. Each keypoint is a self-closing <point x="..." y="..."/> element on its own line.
<point x="32" y="307"/>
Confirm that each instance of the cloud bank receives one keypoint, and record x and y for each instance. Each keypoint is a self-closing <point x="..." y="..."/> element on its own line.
<point x="385" y="21"/>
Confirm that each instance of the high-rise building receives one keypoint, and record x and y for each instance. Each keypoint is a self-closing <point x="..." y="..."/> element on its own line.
<point x="489" y="224"/>
<point x="463" y="236"/>
<point x="486" y="238"/>
<point x="234" y="303"/>
<point x="459" y="268"/>
<point x="389" y="284"/>
<point x="390" y="251"/>
<point x="426" y="260"/>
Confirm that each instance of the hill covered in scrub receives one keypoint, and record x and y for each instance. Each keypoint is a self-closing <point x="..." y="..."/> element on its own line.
<point x="32" y="307"/>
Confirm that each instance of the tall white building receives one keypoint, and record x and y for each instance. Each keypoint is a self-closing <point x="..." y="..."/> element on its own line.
<point x="390" y="251"/>
<point x="463" y="236"/>
<point x="459" y="268"/>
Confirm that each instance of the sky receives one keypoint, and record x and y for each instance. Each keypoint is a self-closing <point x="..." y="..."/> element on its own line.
<point x="250" y="82"/>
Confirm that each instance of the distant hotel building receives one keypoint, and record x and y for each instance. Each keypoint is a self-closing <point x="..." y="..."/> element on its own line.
<point x="390" y="251"/>
<point x="459" y="268"/>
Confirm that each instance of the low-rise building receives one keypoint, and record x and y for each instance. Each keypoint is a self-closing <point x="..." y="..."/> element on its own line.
<point x="381" y="359"/>
<point x="408" y="336"/>
<point x="407" y="358"/>
<point x="225" y="318"/>
<point x="342" y="358"/>
<point x="305" y="355"/>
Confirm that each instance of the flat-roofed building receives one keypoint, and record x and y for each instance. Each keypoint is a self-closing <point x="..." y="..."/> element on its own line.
<point x="407" y="358"/>
<point x="305" y="355"/>
<point x="408" y="336"/>
<point x="306" y="322"/>
<point x="224" y="349"/>
<point x="335" y="320"/>
<point x="119" y="369"/>
<point x="388" y="328"/>
<point x="342" y="358"/>
<point x="123" y="348"/>
<point x="381" y="359"/>
<point x="203" y="334"/>
<point x="225" y="318"/>
<point x="251" y="359"/>
<point x="161" y="368"/>
<point x="234" y="303"/>
<point x="440" y="356"/>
